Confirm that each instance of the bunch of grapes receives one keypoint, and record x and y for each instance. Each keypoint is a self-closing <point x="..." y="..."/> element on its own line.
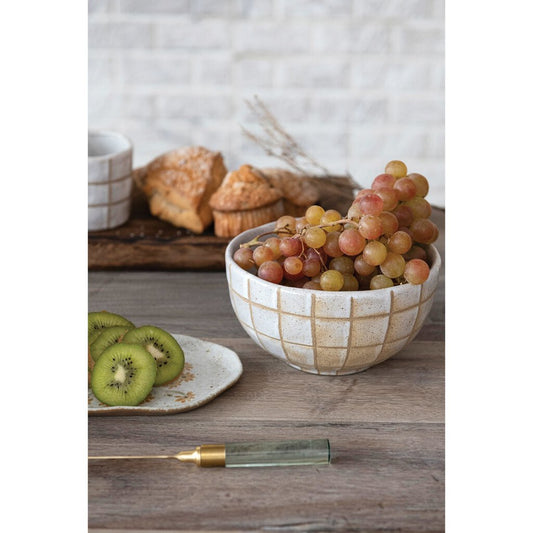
<point x="381" y="242"/>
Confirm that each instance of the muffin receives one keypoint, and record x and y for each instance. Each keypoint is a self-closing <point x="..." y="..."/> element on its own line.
<point x="244" y="200"/>
<point x="180" y="183"/>
<point x="299" y="192"/>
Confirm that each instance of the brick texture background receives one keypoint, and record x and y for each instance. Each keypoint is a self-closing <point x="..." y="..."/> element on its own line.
<point x="356" y="82"/>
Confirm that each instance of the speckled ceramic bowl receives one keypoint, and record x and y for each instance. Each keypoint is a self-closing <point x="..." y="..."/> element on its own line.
<point x="330" y="333"/>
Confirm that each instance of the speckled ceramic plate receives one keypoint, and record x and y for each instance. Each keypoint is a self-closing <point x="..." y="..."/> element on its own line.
<point x="210" y="369"/>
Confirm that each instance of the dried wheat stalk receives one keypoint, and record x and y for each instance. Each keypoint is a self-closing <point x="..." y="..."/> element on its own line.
<point x="279" y="144"/>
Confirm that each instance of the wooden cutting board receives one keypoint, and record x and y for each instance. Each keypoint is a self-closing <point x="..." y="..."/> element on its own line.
<point x="147" y="243"/>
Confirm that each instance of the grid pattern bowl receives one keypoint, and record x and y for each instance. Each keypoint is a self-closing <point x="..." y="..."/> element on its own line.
<point x="329" y="333"/>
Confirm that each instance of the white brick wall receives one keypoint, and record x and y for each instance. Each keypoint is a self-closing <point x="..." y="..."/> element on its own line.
<point x="357" y="82"/>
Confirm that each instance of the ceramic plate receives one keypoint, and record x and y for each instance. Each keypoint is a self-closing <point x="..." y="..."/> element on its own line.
<point x="209" y="370"/>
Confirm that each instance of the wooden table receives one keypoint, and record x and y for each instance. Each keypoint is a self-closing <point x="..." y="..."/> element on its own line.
<point x="386" y="428"/>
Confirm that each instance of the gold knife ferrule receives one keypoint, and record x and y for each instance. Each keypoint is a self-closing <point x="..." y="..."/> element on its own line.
<point x="205" y="455"/>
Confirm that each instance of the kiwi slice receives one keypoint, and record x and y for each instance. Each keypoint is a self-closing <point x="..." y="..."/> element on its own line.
<point x="103" y="319"/>
<point x="163" y="347"/>
<point x="123" y="375"/>
<point x="106" y="338"/>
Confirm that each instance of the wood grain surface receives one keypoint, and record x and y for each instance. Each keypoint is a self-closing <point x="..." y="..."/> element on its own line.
<point x="148" y="243"/>
<point x="386" y="427"/>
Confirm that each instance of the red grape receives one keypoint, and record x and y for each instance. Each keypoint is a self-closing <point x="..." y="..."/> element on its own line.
<point x="271" y="271"/>
<point x="311" y="267"/>
<point x="416" y="271"/>
<point x="383" y="181"/>
<point x="420" y="207"/>
<point x="406" y="188"/>
<point x="363" y="268"/>
<point x="262" y="254"/>
<point x="421" y="183"/>
<point x="370" y="204"/>
<point x="273" y="243"/>
<point x="290" y="246"/>
<point x="351" y="242"/>
<point x="293" y="265"/>
<point x="423" y="230"/>
<point x="389" y="197"/>
<point x="404" y="215"/>
<point x="244" y="258"/>
<point x="400" y="242"/>
<point x="389" y="222"/>
<point x="370" y="227"/>
<point x="331" y="246"/>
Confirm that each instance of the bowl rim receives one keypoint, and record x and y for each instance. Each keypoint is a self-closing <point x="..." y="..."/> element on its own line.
<point x="434" y="269"/>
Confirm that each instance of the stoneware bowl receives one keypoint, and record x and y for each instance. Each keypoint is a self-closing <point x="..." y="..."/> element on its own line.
<point x="110" y="179"/>
<point x="323" y="332"/>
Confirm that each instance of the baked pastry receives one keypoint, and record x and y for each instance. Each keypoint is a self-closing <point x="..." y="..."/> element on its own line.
<point x="244" y="200"/>
<point x="299" y="192"/>
<point x="180" y="183"/>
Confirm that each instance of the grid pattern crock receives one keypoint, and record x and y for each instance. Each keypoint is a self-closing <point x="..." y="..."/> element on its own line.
<point x="330" y="333"/>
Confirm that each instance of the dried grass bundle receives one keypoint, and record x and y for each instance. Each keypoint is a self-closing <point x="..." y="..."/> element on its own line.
<point x="279" y="144"/>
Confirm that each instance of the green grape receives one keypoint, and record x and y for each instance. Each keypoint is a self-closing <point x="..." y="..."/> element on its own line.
<point x="343" y="264"/>
<point x="331" y="280"/>
<point x="374" y="253"/>
<point x="381" y="282"/>
<point x="393" y="266"/>
<point x="314" y="237"/>
<point x="314" y="214"/>
<point x="286" y="222"/>
<point x="331" y="215"/>
<point x="350" y="283"/>
<point x="398" y="169"/>
<point x="420" y="207"/>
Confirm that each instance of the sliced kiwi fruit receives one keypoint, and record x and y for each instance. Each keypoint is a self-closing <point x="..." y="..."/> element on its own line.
<point x="103" y="319"/>
<point x="163" y="347"/>
<point x="123" y="375"/>
<point x="106" y="338"/>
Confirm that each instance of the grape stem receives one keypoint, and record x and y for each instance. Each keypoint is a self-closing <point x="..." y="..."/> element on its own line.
<point x="255" y="241"/>
<point x="277" y="231"/>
